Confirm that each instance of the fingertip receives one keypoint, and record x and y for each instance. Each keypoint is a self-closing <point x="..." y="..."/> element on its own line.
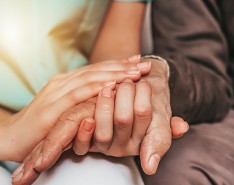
<point x="150" y="164"/>
<point x="82" y="142"/>
<point x="145" y="67"/>
<point x="179" y="127"/>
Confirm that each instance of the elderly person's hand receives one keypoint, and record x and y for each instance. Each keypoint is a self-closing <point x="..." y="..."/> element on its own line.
<point x="76" y="123"/>
<point x="158" y="137"/>
<point x="141" y="117"/>
<point x="122" y="121"/>
<point x="61" y="93"/>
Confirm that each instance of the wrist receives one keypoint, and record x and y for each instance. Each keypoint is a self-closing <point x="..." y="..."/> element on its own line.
<point x="160" y="67"/>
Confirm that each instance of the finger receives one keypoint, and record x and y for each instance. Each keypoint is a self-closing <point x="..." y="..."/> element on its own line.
<point x="123" y="114"/>
<point x="57" y="140"/>
<point x="72" y="98"/>
<point x="158" y="137"/>
<point x="153" y="147"/>
<point x="144" y="67"/>
<point x="142" y="111"/>
<point x="114" y="65"/>
<point x="104" y="119"/>
<point x="25" y="174"/>
<point x="91" y="77"/>
<point x="62" y="134"/>
<point x="103" y="76"/>
<point x="179" y="127"/>
<point x="83" y="138"/>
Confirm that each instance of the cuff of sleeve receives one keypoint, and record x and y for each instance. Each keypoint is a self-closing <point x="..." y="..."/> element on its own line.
<point x="160" y="59"/>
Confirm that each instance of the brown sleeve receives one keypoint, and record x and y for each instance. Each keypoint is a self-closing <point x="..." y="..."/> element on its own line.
<point x="189" y="35"/>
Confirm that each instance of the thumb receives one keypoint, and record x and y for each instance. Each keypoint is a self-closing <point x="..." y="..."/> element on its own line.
<point x="153" y="147"/>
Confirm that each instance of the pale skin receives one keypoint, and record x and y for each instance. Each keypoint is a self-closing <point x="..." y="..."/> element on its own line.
<point x="65" y="98"/>
<point x="152" y="127"/>
<point x="74" y="87"/>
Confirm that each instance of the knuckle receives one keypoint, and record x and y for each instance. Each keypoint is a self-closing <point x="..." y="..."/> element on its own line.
<point x="127" y="85"/>
<point x="75" y="97"/>
<point x="103" y="140"/>
<point x="143" y="111"/>
<point x="123" y="122"/>
<point x="44" y="116"/>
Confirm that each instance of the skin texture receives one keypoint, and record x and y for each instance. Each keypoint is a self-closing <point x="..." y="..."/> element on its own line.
<point x="158" y="136"/>
<point x="47" y="152"/>
<point x="157" y="120"/>
<point x="74" y="87"/>
<point x="73" y="124"/>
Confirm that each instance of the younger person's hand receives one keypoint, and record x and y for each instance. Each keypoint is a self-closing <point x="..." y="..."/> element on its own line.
<point x="25" y="129"/>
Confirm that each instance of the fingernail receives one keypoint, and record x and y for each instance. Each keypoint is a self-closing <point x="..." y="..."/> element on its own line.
<point x="153" y="162"/>
<point x="38" y="161"/>
<point x="135" y="58"/>
<point x="88" y="125"/>
<point x="133" y="72"/>
<point x="110" y="83"/>
<point x="17" y="171"/>
<point x="18" y="177"/>
<point x="144" y="65"/>
<point x="107" y="92"/>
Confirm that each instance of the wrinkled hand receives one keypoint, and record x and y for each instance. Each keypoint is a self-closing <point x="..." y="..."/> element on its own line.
<point x="158" y="136"/>
<point x="59" y="139"/>
<point x="61" y="93"/>
<point x="52" y="148"/>
<point x="78" y="119"/>
<point x="122" y="121"/>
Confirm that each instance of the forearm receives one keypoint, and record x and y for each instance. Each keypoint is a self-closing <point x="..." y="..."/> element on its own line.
<point x="120" y="34"/>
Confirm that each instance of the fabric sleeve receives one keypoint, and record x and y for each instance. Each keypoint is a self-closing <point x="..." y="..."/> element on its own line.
<point x="188" y="34"/>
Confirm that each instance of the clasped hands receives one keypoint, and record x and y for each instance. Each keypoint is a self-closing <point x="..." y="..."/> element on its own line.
<point x="118" y="108"/>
